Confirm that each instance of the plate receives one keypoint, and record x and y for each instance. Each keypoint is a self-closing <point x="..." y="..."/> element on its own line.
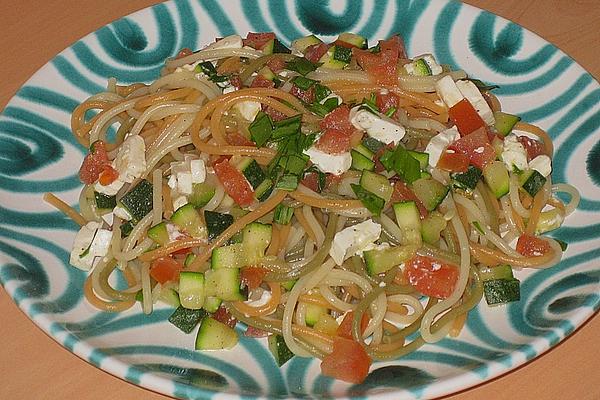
<point x="536" y="80"/>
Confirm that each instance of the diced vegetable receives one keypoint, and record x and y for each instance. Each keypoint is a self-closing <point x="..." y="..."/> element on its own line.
<point x="430" y="192"/>
<point x="224" y="283"/>
<point x="164" y="269"/>
<point x="252" y="171"/>
<point x="432" y="226"/>
<point x="376" y="184"/>
<point x="256" y="239"/>
<point x="279" y="349"/>
<point x="467" y="180"/>
<point x="501" y="291"/>
<point x="382" y="260"/>
<point x="169" y="296"/>
<point x="502" y="271"/>
<point x="505" y="122"/>
<point x="532" y="246"/>
<point x="235" y="183"/>
<point x="496" y="177"/>
<point x="421" y="157"/>
<point x="372" y="144"/>
<point x="260" y="129"/>
<point x="283" y="214"/>
<point x="465" y="117"/>
<point x="343" y="54"/>
<point x="327" y="325"/>
<point x="348" y="361"/>
<point x="264" y="190"/>
<point x="188" y="220"/>
<point x="231" y="256"/>
<point x="202" y="193"/>
<point x="191" y="289"/>
<point x="354" y="39"/>
<point x="212" y="304"/>
<point x="314" y="313"/>
<point x="215" y="335"/>
<point x="409" y="221"/>
<point x="361" y="162"/>
<point x="105" y="202"/>
<point x="431" y="277"/>
<point x="372" y="202"/>
<point x="330" y="62"/>
<point x="216" y="223"/>
<point x="138" y="201"/>
<point x="301" y="65"/>
<point x="126" y="228"/>
<point x="186" y="319"/>
<point x="159" y="234"/>
<point x="532" y="181"/>
<point x="302" y="43"/>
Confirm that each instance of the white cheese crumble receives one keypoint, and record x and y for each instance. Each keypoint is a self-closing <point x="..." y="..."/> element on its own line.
<point x="248" y="109"/>
<point x="354" y="239"/>
<point x="513" y="153"/>
<point x="541" y="164"/>
<point x="379" y="127"/>
<point x="329" y="163"/>
<point x="470" y="91"/>
<point x="90" y="242"/>
<point x="448" y="91"/>
<point x="438" y="144"/>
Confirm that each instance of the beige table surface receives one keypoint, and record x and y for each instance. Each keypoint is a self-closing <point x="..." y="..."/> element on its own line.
<point x="33" y="366"/>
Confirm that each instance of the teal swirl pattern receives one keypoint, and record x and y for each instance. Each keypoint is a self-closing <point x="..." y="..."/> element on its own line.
<point x="38" y="154"/>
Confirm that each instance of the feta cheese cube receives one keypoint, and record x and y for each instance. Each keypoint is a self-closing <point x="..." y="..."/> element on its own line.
<point x="198" y="171"/>
<point x="229" y="42"/>
<point x="438" y="144"/>
<point x="179" y="201"/>
<point x="541" y="164"/>
<point x="109" y="190"/>
<point x="184" y="182"/>
<point x="353" y="239"/>
<point x="435" y="68"/>
<point x="448" y="91"/>
<point x="379" y="127"/>
<point x="514" y="154"/>
<point x="80" y="256"/>
<point x="472" y="93"/>
<point x="101" y="243"/>
<point x="248" y="109"/>
<point x="329" y="163"/>
<point x="121" y="212"/>
<point x="130" y="161"/>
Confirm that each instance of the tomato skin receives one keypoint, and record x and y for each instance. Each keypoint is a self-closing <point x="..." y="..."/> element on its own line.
<point x="237" y="139"/>
<point x="465" y="117"/>
<point x="345" y="328"/>
<point x="403" y="193"/>
<point x="476" y="147"/>
<point x="387" y="101"/>
<point x="252" y="277"/>
<point x="431" y="277"/>
<point x="222" y="315"/>
<point x="334" y="141"/>
<point x="258" y="40"/>
<point x="348" y="361"/>
<point x="311" y="181"/>
<point x="262" y="82"/>
<point x="395" y="45"/>
<point x="307" y="96"/>
<point x="339" y="119"/>
<point x="94" y="163"/>
<point x="276" y="64"/>
<point x="165" y="269"/>
<point x="315" y="52"/>
<point x="532" y="246"/>
<point x="453" y="161"/>
<point x="381" y="67"/>
<point x="235" y="183"/>
<point x="533" y="147"/>
<point x="482" y="156"/>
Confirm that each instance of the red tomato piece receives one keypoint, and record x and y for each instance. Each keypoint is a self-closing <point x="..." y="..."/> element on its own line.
<point x="341" y="43"/>
<point x="255" y="332"/>
<point x="533" y="147"/>
<point x="235" y="184"/>
<point x="345" y="328"/>
<point x="273" y="113"/>
<point x="237" y="139"/>
<point x="381" y="67"/>
<point x="403" y="193"/>
<point x="452" y="161"/>
<point x="334" y="141"/>
<point x="338" y="119"/>
<point x="315" y="52"/>
<point x="222" y="315"/>
<point x="94" y="163"/>
<point x="311" y="181"/>
<point x="386" y="101"/>
<point x="395" y="44"/>
<point x="261" y="81"/>
<point x="332" y="180"/>
<point x="348" y="361"/>
<point x="532" y="246"/>
<point x="252" y="277"/>
<point x="476" y="147"/>
<point x="431" y="277"/>
<point x="465" y="117"/>
<point x="276" y="64"/>
<point x="258" y="40"/>
<point x="184" y="53"/>
<point x="482" y="156"/>
<point x="235" y="81"/>
<point x="307" y="96"/>
<point x="165" y="269"/>
<point x="108" y="175"/>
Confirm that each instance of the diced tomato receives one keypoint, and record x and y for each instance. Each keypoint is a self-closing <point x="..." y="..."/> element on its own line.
<point x="252" y="277"/>
<point x="311" y="181"/>
<point x="431" y="277"/>
<point x="213" y="160"/>
<point x="386" y="101"/>
<point x="532" y="246"/>
<point x="261" y="81"/>
<point x="222" y="315"/>
<point x="465" y="117"/>
<point x="108" y="175"/>
<point x="345" y="328"/>
<point x="315" y="52"/>
<point x="341" y="43"/>
<point x="381" y="67"/>
<point x="237" y="139"/>
<point x="235" y="184"/>
<point x="307" y="96"/>
<point x="165" y="269"/>
<point x="276" y="64"/>
<point x="334" y="141"/>
<point x="533" y="147"/>
<point x="452" y="161"/>
<point x="332" y="180"/>
<point x="338" y="119"/>
<point x="184" y="52"/>
<point x="258" y="40"/>
<point x="395" y="44"/>
<point x="94" y="163"/>
<point x="255" y="332"/>
<point x="403" y="193"/>
<point x="476" y="147"/>
<point x="273" y="113"/>
<point x="347" y="362"/>
<point x="235" y="81"/>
